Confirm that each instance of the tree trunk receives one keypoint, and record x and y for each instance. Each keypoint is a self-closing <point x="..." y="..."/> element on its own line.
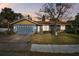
<point x="11" y="28"/>
<point x="55" y="30"/>
<point x="8" y="26"/>
<point x="41" y="30"/>
<point x="75" y="31"/>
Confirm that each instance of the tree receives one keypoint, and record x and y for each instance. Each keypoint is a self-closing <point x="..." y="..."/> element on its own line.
<point x="41" y="17"/>
<point x="75" y="24"/>
<point x="55" y="11"/>
<point x="18" y="16"/>
<point x="29" y="17"/>
<point x="8" y="15"/>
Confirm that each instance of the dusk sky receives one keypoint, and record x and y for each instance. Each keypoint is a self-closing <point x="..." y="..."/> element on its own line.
<point x="30" y="8"/>
<point x="24" y="8"/>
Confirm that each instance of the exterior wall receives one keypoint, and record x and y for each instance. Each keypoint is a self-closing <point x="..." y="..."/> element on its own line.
<point x="62" y="27"/>
<point x="34" y="28"/>
<point x="38" y="28"/>
<point x="15" y="28"/>
<point x="51" y="28"/>
<point x="46" y="28"/>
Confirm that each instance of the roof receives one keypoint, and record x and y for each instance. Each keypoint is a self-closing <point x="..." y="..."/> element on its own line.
<point x="22" y="20"/>
<point x="42" y="22"/>
<point x="51" y="23"/>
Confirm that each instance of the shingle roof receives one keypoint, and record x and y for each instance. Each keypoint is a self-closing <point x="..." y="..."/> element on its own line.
<point x="42" y="22"/>
<point x="22" y="20"/>
<point x="51" y="23"/>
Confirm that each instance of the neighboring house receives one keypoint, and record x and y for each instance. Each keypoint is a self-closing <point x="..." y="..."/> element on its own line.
<point x="25" y="26"/>
<point x="3" y="29"/>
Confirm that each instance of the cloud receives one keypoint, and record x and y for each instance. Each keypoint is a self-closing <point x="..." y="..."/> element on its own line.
<point x="3" y="5"/>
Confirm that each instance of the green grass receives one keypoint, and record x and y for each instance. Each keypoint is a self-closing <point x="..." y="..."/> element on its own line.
<point x="62" y="38"/>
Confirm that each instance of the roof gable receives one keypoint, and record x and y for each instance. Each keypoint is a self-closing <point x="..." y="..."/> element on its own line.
<point x="24" y="21"/>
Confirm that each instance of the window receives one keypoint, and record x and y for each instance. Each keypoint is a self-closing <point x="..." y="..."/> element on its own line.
<point x="45" y="28"/>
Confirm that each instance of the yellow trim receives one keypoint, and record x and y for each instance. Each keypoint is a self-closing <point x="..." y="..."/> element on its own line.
<point x="24" y="22"/>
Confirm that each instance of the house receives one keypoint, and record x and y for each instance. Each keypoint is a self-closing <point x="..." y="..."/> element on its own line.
<point x="25" y="26"/>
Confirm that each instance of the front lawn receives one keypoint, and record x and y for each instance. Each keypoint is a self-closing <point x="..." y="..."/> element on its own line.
<point x="62" y="38"/>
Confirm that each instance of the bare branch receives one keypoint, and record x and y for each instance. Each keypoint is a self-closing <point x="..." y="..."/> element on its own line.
<point x="55" y="11"/>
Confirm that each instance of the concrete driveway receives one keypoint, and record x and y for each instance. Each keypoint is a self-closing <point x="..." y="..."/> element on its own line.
<point x="15" y="43"/>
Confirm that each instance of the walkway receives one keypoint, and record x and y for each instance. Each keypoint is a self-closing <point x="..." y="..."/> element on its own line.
<point x="55" y="48"/>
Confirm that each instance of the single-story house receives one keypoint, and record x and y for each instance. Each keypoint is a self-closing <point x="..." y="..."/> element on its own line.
<point x="25" y="26"/>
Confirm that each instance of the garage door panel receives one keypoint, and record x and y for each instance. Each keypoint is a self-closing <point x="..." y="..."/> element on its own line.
<point x="24" y="29"/>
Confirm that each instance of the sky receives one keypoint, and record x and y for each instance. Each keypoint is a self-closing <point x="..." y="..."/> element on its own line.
<point x="31" y="8"/>
<point x="24" y="8"/>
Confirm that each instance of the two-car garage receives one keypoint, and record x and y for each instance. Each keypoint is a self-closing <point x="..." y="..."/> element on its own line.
<point x="24" y="27"/>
